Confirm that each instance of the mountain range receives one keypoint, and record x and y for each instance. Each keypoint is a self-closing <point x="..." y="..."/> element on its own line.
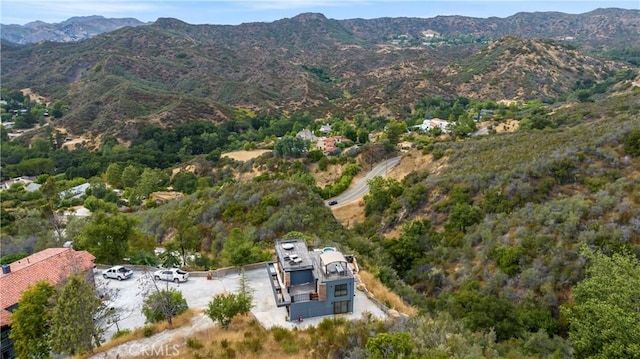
<point x="73" y="29"/>
<point x="171" y="72"/>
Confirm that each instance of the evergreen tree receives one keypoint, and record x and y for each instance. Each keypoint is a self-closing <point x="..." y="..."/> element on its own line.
<point x="73" y="328"/>
<point x="30" y="322"/>
<point x="114" y="175"/>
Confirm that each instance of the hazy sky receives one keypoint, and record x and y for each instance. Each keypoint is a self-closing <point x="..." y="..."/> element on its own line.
<point x="239" y="11"/>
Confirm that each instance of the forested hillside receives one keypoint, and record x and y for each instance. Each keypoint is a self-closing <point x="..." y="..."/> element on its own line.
<point x="170" y="72"/>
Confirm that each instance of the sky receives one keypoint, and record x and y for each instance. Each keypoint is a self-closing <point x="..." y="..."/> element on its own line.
<point x="241" y="11"/>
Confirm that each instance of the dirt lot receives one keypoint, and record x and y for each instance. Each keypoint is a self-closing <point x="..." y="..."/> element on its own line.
<point x="244" y="155"/>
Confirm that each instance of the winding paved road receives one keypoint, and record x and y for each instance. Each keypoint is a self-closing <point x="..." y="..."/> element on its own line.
<point x="362" y="187"/>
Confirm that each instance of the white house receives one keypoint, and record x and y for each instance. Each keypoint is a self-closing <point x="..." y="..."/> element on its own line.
<point x="31" y="187"/>
<point x="75" y="192"/>
<point x="433" y="123"/>
<point x="326" y="128"/>
<point x="306" y="134"/>
<point x="24" y="181"/>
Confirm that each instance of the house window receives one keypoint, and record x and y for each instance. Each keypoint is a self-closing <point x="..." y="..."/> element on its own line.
<point x="340" y="307"/>
<point x="341" y="290"/>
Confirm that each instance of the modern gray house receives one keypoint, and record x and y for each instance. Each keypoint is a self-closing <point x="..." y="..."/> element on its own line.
<point x="311" y="282"/>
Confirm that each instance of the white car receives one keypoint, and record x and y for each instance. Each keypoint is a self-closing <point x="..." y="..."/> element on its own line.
<point x="173" y="274"/>
<point x="117" y="272"/>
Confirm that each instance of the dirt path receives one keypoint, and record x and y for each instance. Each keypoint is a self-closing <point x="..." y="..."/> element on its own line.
<point x="162" y="344"/>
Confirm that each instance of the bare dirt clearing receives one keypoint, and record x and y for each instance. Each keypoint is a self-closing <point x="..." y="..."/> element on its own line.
<point x="508" y="126"/>
<point x="35" y="97"/>
<point x="326" y="177"/>
<point x="244" y="155"/>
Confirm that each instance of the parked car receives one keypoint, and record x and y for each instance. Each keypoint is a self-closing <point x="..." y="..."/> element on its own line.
<point x="117" y="272"/>
<point x="173" y="274"/>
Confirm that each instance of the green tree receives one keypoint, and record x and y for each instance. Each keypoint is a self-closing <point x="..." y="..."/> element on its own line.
<point x="417" y="238"/>
<point x="185" y="181"/>
<point x="382" y="193"/>
<point x="164" y="305"/>
<point x="394" y="130"/>
<point x="41" y="146"/>
<point x="36" y="166"/>
<point x="73" y="328"/>
<point x="464" y="126"/>
<point x="57" y="109"/>
<point x="130" y="176"/>
<point x="187" y="237"/>
<point x="363" y="136"/>
<point x="484" y="312"/>
<point x="30" y="322"/>
<point x="462" y="216"/>
<point x="604" y="320"/>
<point x="149" y="181"/>
<point x="239" y="250"/>
<point x="350" y="132"/>
<point x="631" y="142"/>
<point x="391" y="345"/>
<point x="94" y="205"/>
<point x="290" y="146"/>
<point x="113" y="175"/>
<point x="224" y="307"/>
<point x="107" y="236"/>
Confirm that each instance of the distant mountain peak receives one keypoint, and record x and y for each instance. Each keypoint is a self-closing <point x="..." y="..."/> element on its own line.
<point x="307" y="16"/>
<point x="73" y="29"/>
<point x="85" y="18"/>
<point x="169" y="22"/>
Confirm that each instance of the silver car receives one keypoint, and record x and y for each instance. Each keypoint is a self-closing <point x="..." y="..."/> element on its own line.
<point x="173" y="274"/>
<point x="117" y="272"/>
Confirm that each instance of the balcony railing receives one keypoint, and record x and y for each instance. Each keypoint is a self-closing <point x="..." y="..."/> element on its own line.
<point x="305" y="297"/>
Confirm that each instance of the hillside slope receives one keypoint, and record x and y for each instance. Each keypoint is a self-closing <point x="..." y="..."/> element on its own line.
<point x="171" y="72"/>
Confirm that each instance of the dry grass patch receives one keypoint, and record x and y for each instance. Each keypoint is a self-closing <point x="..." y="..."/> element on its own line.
<point x="384" y="295"/>
<point x="244" y="155"/>
<point x="508" y="126"/>
<point x="349" y="214"/>
<point x="245" y="338"/>
<point x="146" y="331"/>
<point x="327" y="177"/>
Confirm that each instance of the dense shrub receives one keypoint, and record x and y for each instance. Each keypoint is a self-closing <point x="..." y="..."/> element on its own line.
<point x="163" y="305"/>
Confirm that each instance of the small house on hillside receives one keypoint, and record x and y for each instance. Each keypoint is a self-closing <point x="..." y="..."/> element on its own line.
<point x="163" y="197"/>
<point x="54" y="265"/>
<point x="75" y="192"/>
<point x="326" y="128"/>
<point x="329" y="145"/>
<point x="306" y="134"/>
<point x="24" y="181"/>
<point x="430" y="124"/>
<point x="312" y="283"/>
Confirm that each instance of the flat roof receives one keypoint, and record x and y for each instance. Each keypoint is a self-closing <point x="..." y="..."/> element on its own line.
<point x="293" y="255"/>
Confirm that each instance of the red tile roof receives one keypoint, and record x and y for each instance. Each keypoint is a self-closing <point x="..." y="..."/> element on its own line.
<point x="53" y="265"/>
